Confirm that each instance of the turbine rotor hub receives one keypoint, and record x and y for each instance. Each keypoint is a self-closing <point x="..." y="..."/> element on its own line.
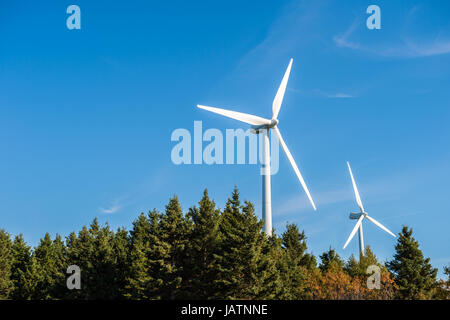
<point x="273" y="123"/>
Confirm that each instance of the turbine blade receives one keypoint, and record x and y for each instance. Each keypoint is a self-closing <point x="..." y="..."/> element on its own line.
<point x="276" y="105"/>
<point x="355" y="228"/>
<point x="358" y="198"/>
<point x="244" y="117"/>
<point x="294" y="165"/>
<point x="380" y="225"/>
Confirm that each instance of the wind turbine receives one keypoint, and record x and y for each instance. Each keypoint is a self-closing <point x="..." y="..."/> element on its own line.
<point x="263" y="126"/>
<point x="361" y="216"/>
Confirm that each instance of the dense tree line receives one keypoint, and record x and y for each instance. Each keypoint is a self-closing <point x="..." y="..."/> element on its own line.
<point x="206" y="253"/>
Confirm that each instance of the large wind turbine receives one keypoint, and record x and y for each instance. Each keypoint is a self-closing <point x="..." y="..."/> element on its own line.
<point x="263" y="126"/>
<point x="361" y="216"/>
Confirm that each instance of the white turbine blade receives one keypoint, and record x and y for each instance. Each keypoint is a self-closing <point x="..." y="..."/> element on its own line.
<point x="244" y="117"/>
<point x="380" y="225"/>
<point x="358" y="198"/>
<point x="294" y="165"/>
<point x="352" y="234"/>
<point x="276" y="105"/>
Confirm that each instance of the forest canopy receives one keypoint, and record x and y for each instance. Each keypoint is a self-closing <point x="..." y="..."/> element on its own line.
<point x="207" y="253"/>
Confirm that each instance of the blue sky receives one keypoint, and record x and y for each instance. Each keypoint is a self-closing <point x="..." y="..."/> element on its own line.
<point x="86" y="115"/>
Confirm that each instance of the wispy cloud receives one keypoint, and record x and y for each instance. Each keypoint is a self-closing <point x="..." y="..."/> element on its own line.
<point x="338" y="95"/>
<point x="299" y="203"/>
<point x="110" y="210"/>
<point x="115" y="206"/>
<point x="404" y="47"/>
<point x="342" y="40"/>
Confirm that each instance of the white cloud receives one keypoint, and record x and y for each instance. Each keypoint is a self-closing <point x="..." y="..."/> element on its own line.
<point x="405" y="46"/>
<point x="111" y="209"/>
<point x="338" y="95"/>
<point x="114" y="207"/>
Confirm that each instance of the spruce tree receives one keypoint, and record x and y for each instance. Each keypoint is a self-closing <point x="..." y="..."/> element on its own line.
<point x="359" y="268"/>
<point x="21" y="263"/>
<point x="330" y="259"/>
<point x="146" y="258"/>
<point x="203" y="242"/>
<point x="172" y="243"/>
<point x="50" y="264"/>
<point x="138" y="274"/>
<point x="295" y="261"/>
<point x="121" y="260"/>
<point x="6" y="284"/>
<point x="244" y="268"/>
<point x="413" y="274"/>
<point x="93" y="251"/>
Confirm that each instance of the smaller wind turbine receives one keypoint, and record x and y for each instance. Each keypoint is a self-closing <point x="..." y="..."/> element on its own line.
<point x="360" y="216"/>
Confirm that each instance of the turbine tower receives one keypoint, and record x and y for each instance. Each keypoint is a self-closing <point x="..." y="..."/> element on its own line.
<point x="360" y="216"/>
<point x="263" y="126"/>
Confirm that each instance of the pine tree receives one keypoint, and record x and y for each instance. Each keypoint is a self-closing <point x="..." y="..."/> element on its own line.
<point x="359" y="268"/>
<point x="121" y="247"/>
<point x="202" y="245"/>
<point x="244" y="267"/>
<point x="138" y="276"/>
<point x="294" y="262"/>
<point x="6" y="284"/>
<point x="172" y="243"/>
<point x="93" y="250"/>
<point x="50" y="265"/>
<point x="21" y="263"/>
<point x="413" y="274"/>
<point x="146" y="258"/>
<point x="329" y="259"/>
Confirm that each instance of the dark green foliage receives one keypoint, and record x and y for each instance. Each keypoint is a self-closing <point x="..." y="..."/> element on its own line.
<point x="358" y="268"/>
<point x="172" y="243"/>
<point x="244" y="267"/>
<point x="100" y="255"/>
<point x="329" y="259"/>
<point x="6" y="284"/>
<point x="294" y="262"/>
<point x="204" y="254"/>
<point x="47" y="270"/>
<point x="146" y="258"/>
<point x="203" y="241"/>
<point x="413" y="274"/>
<point x="21" y="264"/>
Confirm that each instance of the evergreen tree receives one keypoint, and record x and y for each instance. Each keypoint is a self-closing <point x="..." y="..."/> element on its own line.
<point x="329" y="259"/>
<point x="359" y="268"/>
<point x="121" y="247"/>
<point x="293" y="263"/>
<point x="93" y="250"/>
<point x="49" y="264"/>
<point x="172" y="243"/>
<point x="243" y="270"/>
<point x="21" y="263"/>
<point x="203" y="242"/>
<point x="138" y="276"/>
<point x="146" y="258"/>
<point x="6" y="284"/>
<point x="413" y="274"/>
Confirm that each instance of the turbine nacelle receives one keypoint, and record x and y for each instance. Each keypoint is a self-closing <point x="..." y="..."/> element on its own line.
<point x="256" y="129"/>
<point x="356" y="215"/>
<point x="360" y="216"/>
